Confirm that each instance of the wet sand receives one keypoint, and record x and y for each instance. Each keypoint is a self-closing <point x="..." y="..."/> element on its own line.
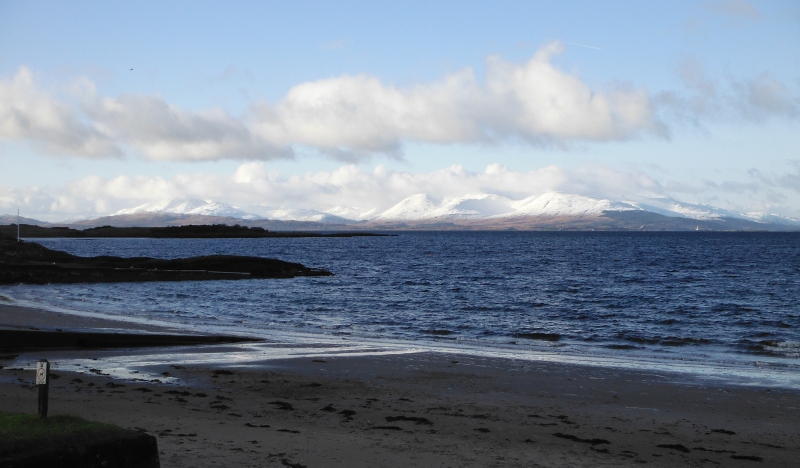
<point x="418" y="409"/>
<point x="15" y="317"/>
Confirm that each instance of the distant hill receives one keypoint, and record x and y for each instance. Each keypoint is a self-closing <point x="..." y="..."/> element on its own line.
<point x="170" y="219"/>
<point x="605" y="221"/>
<point x="12" y="219"/>
<point x="490" y="209"/>
<point x="191" y="206"/>
<point x="548" y="211"/>
<point x="194" y="231"/>
<point x="628" y="220"/>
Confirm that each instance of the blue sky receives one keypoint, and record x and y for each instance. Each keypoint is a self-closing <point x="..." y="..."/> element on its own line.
<point x="349" y="107"/>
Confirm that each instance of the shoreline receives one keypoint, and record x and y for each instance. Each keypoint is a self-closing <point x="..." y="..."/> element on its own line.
<point x="24" y="317"/>
<point x="700" y="369"/>
<point x="370" y="407"/>
<point x="19" y="333"/>
<point x="703" y="368"/>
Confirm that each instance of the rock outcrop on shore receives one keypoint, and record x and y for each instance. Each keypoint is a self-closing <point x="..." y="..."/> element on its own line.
<point x="31" y="263"/>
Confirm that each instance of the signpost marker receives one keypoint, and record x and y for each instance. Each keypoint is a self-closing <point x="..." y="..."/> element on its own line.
<point x="43" y="381"/>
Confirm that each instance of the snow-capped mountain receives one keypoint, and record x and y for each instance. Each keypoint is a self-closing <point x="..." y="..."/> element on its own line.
<point x="488" y="208"/>
<point x="562" y="204"/>
<point x="307" y="215"/>
<point x="190" y="206"/>
<point x="412" y="208"/>
<point x="773" y="218"/>
<point x="671" y="207"/>
<point x="485" y="206"/>
<point x="422" y="207"/>
<point x="195" y="206"/>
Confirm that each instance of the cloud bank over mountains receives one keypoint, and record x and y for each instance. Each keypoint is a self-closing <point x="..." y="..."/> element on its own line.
<point x="348" y="192"/>
<point x="483" y="211"/>
<point x="351" y="117"/>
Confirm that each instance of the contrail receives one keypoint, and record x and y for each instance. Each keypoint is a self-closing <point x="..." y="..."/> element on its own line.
<point x="583" y="45"/>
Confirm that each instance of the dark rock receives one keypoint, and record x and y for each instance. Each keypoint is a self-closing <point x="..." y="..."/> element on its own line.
<point x="414" y="419"/>
<point x="282" y="405"/>
<point x="677" y="447"/>
<point x="747" y="457"/>
<point x="578" y="439"/>
<point x="286" y="462"/>
<point x="723" y="431"/>
<point x="31" y="263"/>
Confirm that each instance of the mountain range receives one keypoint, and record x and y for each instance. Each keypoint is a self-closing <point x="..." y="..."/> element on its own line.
<point x="552" y="210"/>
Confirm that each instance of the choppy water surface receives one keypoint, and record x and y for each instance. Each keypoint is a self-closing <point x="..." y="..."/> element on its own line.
<point x="715" y="297"/>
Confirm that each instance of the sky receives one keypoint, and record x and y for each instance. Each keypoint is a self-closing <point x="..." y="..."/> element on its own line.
<point x="349" y="107"/>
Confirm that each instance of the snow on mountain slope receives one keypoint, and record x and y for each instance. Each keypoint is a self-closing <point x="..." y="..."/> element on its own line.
<point x="307" y="215"/>
<point x="189" y="206"/>
<point x="773" y="218"/>
<point x="670" y="207"/>
<point x="482" y="206"/>
<point x="412" y="208"/>
<point x="423" y="207"/>
<point x="563" y="204"/>
<point x="474" y="206"/>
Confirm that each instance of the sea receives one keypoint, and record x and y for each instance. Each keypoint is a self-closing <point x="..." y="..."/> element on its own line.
<point x="721" y="305"/>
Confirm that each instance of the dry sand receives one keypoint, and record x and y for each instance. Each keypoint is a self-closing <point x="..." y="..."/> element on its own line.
<point x="421" y="409"/>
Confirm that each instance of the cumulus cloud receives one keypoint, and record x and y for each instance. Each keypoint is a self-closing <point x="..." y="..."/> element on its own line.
<point x="533" y="101"/>
<point x="353" y="117"/>
<point x="346" y="191"/>
<point x="161" y="131"/>
<point x="27" y="113"/>
<point x="357" y="193"/>
<point x="348" y="117"/>
<point x="32" y="199"/>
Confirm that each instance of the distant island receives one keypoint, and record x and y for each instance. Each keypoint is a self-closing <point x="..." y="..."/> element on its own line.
<point x="207" y="231"/>
<point x="31" y="263"/>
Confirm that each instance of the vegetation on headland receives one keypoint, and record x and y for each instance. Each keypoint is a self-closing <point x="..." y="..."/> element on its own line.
<point x="15" y="428"/>
<point x="71" y="442"/>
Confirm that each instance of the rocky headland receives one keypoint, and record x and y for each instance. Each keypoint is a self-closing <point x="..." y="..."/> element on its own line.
<point x="31" y="263"/>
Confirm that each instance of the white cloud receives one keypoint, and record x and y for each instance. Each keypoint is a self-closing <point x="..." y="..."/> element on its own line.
<point x="534" y="101"/>
<point x="26" y="113"/>
<point x="161" y="131"/>
<point x="347" y="117"/>
<point x="347" y="191"/>
<point x="353" y="117"/>
<point x="32" y="199"/>
<point x="357" y="193"/>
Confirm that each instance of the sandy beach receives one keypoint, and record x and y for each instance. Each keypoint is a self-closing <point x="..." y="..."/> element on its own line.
<point x="413" y="409"/>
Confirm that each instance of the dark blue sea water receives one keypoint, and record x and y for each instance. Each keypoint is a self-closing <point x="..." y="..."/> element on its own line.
<point x="721" y="297"/>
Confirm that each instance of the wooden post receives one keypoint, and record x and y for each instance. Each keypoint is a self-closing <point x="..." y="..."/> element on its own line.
<point x="43" y="381"/>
